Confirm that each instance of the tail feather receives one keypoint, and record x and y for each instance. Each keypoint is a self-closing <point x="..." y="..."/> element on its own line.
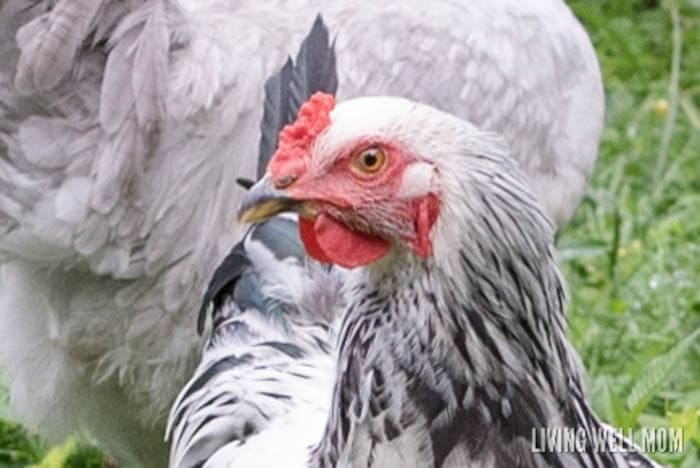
<point x="275" y="117"/>
<point x="313" y="70"/>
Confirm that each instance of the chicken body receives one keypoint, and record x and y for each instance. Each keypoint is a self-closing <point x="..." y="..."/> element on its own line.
<point x="448" y="332"/>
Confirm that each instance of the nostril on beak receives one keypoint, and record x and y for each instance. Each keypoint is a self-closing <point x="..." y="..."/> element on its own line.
<point x="285" y="181"/>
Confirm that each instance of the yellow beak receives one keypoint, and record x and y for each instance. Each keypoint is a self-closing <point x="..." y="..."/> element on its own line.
<point x="263" y="201"/>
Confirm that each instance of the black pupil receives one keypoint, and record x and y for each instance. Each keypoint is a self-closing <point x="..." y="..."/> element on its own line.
<point x="370" y="159"/>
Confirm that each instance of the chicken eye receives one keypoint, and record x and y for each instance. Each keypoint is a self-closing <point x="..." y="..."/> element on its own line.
<point x="369" y="161"/>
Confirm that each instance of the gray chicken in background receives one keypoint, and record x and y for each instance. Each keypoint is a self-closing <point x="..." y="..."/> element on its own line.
<point x="123" y="125"/>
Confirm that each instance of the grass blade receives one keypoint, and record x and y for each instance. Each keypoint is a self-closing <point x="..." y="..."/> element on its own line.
<point x="655" y="375"/>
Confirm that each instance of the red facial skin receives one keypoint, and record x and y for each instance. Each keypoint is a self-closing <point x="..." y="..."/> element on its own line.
<point x="330" y="241"/>
<point x="340" y="195"/>
<point x="345" y="198"/>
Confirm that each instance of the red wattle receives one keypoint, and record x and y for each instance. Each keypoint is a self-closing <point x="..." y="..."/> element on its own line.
<point x="308" y="238"/>
<point x="330" y="241"/>
<point x="425" y="213"/>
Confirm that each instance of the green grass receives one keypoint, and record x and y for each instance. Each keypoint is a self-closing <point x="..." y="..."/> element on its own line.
<point x="631" y="255"/>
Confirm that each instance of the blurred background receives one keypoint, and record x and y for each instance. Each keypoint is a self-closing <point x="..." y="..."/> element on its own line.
<point x="631" y="255"/>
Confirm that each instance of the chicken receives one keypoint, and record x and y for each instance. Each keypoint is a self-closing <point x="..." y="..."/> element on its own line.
<point x="448" y="348"/>
<point x="451" y="347"/>
<point x="435" y="338"/>
<point x="124" y="124"/>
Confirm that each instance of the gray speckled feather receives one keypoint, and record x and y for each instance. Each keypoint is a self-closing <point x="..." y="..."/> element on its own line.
<point x="233" y="278"/>
<point x="453" y="359"/>
<point x="268" y="351"/>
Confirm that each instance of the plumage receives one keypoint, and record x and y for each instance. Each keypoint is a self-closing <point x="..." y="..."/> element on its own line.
<point x="109" y="235"/>
<point x="450" y="355"/>
<point x="447" y="357"/>
<point x="313" y="69"/>
<point x="270" y="340"/>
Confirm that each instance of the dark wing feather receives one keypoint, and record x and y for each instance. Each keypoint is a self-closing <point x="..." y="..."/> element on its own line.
<point x="224" y="280"/>
<point x="275" y="115"/>
<point x="313" y="70"/>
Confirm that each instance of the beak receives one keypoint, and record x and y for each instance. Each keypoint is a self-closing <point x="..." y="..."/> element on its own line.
<point x="263" y="201"/>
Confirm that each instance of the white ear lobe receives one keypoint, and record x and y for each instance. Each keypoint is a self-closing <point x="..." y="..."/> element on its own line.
<point x="418" y="179"/>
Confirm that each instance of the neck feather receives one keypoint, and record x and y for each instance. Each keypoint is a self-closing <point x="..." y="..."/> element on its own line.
<point x="479" y="326"/>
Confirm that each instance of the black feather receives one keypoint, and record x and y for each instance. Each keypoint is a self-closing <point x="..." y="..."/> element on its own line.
<point x="225" y="277"/>
<point x="313" y="70"/>
<point x="275" y="114"/>
<point x="245" y="183"/>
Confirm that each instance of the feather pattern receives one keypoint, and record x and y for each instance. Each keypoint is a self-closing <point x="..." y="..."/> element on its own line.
<point x="447" y="361"/>
<point x="49" y="44"/>
<point x="109" y="236"/>
<point x="453" y="360"/>
<point x="315" y="68"/>
<point x="270" y="339"/>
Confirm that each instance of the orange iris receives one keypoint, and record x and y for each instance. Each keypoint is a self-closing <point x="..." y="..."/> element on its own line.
<point x="368" y="161"/>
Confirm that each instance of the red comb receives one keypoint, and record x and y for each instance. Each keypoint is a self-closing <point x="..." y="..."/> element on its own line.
<point x="295" y="139"/>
